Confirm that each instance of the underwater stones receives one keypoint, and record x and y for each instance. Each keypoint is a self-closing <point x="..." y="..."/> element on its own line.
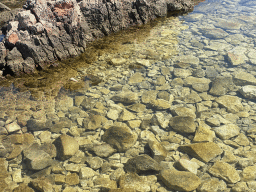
<point x="248" y="91"/>
<point x="179" y="180"/>
<point x="235" y="59"/>
<point x="231" y="103"/>
<point x="202" y="151"/>
<point x="66" y="147"/>
<point x="121" y="138"/>
<point x="225" y="171"/>
<point x="183" y="124"/>
<point x="244" y="78"/>
<point x="227" y="131"/>
<point x="126" y="97"/>
<point x="214" y="33"/>
<point x="141" y="163"/>
<point x="221" y="85"/>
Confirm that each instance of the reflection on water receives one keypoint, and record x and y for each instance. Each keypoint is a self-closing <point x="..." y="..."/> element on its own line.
<point x="175" y="82"/>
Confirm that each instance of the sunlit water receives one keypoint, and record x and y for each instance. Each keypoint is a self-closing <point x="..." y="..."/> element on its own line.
<point x="197" y="43"/>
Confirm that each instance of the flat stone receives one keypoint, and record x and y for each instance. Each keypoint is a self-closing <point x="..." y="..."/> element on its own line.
<point x="37" y="158"/>
<point x="212" y="184"/>
<point x="105" y="183"/>
<point x="188" y="165"/>
<point x="126" y="97"/>
<point x="182" y="73"/>
<point x="183" y="111"/>
<point x="136" y="78"/>
<point x="193" y="97"/>
<point x="249" y="173"/>
<point x="94" y="162"/>
<point x="231" y="103"/>
<point x="113" y="114"/>
<point x="235" y="59"/>
<point x="93" y="122"/>
<point x="126" y="115"/>
<point x="137" y="107"/>
<point x="12" y="127"/>
<point x="225" y="171"/>
<point x="204" y="133"/>
<point x="179" y="180"/>
<point x="134" y="181"/>
<point x="221" y="85"/>
<point x="72" y="179"/>
<point x="248" y="91"/>
<point x="66" y="147"/>
<point x="160" y="104"/>
<point x="158" y="150"/>
<point x="183" y="124"/>
<point x="227" y="131"/>
<point x="190" y="59"/>
<point x="243" y="78"/>
<point x="121" y="138"/>
<point x="214" y="33"/>
<point x="42" y="184"/>
<point x="202" y="151"/>
<point x="224" y="24"/>
<point x="141" y="163"/>
<point x="148" y="96"/>
<point x="104" y="150"/>
<point x="86" y="173"/>
<point x="117" y="61"/>
<point x="23" y="187"/>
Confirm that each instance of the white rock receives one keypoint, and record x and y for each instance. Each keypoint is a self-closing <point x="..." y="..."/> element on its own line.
<point x="12" y="127"/>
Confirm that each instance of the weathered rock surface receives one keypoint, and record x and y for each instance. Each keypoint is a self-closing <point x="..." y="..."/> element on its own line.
<point x="46" y="31"/>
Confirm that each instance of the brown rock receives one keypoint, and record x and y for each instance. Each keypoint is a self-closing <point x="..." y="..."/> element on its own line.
<point x="202" y="151"/>
<point x="121" y="138"/>
<point x="180" y="180"/>
<point x="72" y="179"/>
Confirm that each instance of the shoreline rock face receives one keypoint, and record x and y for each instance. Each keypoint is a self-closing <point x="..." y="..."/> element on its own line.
<point x="46" y="31"/>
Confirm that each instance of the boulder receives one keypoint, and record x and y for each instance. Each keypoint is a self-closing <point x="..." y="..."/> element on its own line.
<point x="54" y="30"/>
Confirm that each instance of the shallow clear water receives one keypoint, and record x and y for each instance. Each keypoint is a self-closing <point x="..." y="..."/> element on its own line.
<point x="217" y="39"/>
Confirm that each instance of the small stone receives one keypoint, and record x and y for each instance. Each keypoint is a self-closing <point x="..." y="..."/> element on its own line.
<point x="183" y="124"/>
<point x="202" y="151"/>
<point x="187" y="165"/>
<point x="227" y="131"/>
<point x="126" y="115"/>
<point x="12" y="127"/>
<point x="105" y="183"/>
<point x="117" y="61"/>
<point x="225" y="171"/>
<point x="231" y="103"/>
<point x="136" y="78"/>
<point x="134" y="181"/>
<point x="179" y="180"/>
<point x="204" y="133"/>
<point x="72" y="179"/>
<point x="113" y="114"/>
<point x="235" y="59"/>
<point x="42" y="184"/>
<point x="59" y="179"/>
<point x="66" y="147"/>
<point x="104" y="150"/>
<point x="86" y="173"/>
<point x="212" y="184"/>
<point x="121" y="138"/>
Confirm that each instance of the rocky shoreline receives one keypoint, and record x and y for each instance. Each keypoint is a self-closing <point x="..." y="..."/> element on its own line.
<point x="46" y="31"/>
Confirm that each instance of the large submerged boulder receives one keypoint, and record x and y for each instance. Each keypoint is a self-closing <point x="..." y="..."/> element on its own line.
<point x="48" y="30"/>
